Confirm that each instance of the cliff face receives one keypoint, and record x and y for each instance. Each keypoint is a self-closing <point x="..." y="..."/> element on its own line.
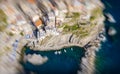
<point x="69" y="39"/>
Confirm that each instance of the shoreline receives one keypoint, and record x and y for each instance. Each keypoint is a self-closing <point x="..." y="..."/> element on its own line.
<point x="55" y="48"/>
<point x="87" y="62"/>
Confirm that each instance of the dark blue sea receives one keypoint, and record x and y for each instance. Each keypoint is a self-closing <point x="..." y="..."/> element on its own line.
<point x="68" y="62"/>
<point x="107" y="59"/>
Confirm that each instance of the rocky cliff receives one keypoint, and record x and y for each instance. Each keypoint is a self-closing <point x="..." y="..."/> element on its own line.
<point x="69" y="39"/>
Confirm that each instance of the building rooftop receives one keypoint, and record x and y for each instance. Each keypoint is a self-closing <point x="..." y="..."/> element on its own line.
<point x="31" y="1"/>
<point x="38" y="23"/>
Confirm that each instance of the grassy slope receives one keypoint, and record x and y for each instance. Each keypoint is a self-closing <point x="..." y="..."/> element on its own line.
<point x="3" y="20"/>
<point x="82" y="31"/>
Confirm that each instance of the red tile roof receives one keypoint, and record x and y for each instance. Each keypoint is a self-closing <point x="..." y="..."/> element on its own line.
<point x="31" y="1"/>
<point x="38" y="23"/>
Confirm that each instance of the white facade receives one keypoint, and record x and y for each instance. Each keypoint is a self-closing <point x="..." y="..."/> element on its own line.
<point x="35" y="18"/>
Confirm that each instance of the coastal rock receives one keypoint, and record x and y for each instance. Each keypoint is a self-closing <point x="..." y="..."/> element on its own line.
<point x="36" y="59"/>
<point x="110" y="18"/>
<point x="112" y="31"/>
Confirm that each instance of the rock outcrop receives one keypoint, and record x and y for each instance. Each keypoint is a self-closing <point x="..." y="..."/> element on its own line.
<point x="35" y="59"/>
<point x="64" y="40"/>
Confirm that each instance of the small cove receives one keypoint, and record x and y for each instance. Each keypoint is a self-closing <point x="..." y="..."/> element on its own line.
<point x="66" y="62"/>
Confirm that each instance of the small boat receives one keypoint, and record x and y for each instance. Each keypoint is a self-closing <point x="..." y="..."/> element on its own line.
<point x="65" y="51"/>
<point x="56" y="52"/>
<point x="71" y="49"/>
<point x="59" y="52"/>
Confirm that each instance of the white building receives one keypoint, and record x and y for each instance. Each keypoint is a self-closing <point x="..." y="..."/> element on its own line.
<point x="35" y="17"/>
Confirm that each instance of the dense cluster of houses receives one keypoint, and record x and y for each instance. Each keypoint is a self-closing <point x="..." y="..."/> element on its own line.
<point x="43" y="15"/>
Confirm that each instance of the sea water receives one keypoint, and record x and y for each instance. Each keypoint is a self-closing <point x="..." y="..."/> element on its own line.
<point x="107" y="59"/>
<point x="67" y="62"/>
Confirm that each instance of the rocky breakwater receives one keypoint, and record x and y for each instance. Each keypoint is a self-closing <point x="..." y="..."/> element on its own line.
<point x="88" y="62"/>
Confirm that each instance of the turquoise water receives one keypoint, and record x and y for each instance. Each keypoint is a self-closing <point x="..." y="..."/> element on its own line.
<point x="65" y="63"/>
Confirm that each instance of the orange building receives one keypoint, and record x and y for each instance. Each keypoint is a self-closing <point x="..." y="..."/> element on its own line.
<point x="38" y="23"/>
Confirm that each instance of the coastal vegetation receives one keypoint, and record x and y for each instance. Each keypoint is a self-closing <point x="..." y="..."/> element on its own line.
<point x="10" y="33"/>
<point x="75" y="29"/>
<point x="95" y="13"/>
<point x="3" y="20"/>
<point x="21" y="33"/>
<point x="82" y="28"/>
<point x="74" y="14"/>
<point x="79" y="29"/>
<point x="22" y="53"/>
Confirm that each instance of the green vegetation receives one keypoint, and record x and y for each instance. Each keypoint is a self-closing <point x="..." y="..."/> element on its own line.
<point x="71" y="28"/>
<point x="95" y="13"/>
<point x="81" y="28"/>
<point x="68" y="15"/>
<point x="76" y="15"/>
<point x="10" y="34"/>
<point x="73" y="15"/>
<point x="92" y="18"/>
<point x="3" y="20"/>
<point x="22" y="53"/>
<point x="21" y="33"/>
<point x="75" y="29"/>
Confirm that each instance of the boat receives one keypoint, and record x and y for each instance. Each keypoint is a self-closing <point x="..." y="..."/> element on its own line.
<point x="71" y="49"/>
<point x="59" y="52"/>
<point x="56" y="52"/>
<point x="65" y="51"/>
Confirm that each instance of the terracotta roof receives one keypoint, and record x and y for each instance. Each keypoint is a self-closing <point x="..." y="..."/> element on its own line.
<point x="31" y="1"/>
<point x="38" y="23"/>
